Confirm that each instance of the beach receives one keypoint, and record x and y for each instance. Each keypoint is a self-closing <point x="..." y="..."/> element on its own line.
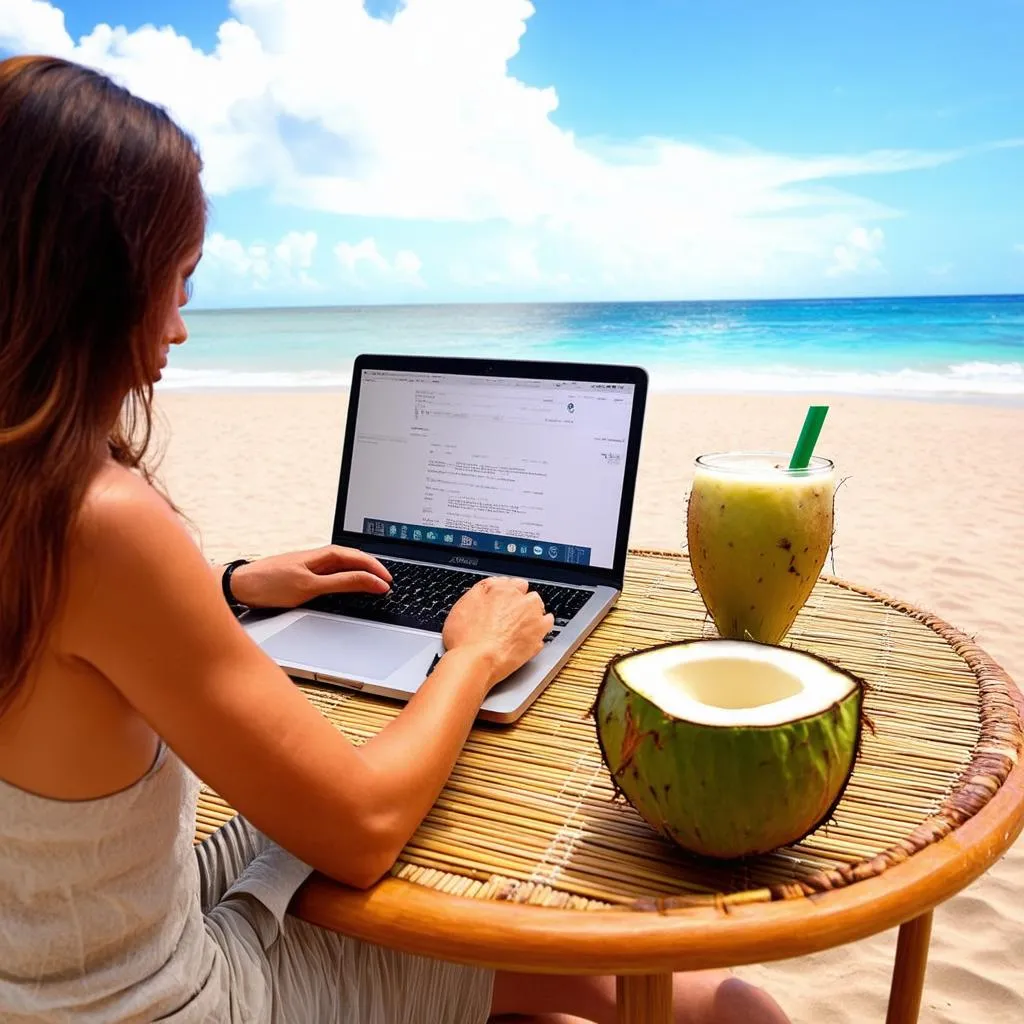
<point x="930" y="511"/>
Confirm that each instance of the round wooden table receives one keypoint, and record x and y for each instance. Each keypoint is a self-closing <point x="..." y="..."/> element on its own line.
<point x="642" y="949"/>
<point x="915" y="666"/>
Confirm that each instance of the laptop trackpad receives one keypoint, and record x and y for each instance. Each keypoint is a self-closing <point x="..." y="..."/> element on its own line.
<point x="345" y="647"/>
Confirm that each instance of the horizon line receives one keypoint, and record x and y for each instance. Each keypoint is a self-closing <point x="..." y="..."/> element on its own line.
<point x="604" y="302"/>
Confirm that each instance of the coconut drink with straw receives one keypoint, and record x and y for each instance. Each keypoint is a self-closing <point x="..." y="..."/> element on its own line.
<point x="758" y="526"/>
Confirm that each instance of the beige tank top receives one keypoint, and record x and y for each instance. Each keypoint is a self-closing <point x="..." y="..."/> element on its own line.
<point x="100" y="917"/>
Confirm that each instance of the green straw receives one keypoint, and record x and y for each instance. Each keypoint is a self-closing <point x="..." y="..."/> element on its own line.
<point x="808" y="437"/>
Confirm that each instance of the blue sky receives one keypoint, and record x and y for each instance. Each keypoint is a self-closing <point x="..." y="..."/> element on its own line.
<point x="479" y="150"/>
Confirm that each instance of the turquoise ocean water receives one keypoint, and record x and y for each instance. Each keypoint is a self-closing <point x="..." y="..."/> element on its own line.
<point x="928" y="347"/>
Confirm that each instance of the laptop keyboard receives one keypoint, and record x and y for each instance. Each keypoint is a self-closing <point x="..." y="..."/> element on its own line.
<point x="421" y="596"/>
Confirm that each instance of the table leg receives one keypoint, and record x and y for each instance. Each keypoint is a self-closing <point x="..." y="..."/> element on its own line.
<point x="908" y="971"/>
<point x="644" y="999"/>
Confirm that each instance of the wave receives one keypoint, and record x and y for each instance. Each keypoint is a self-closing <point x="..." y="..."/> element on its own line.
<point x="981" y="379"/>
<point x="214" y="379"/>
<point x="987" y="369"/>
<point x="1004" y="380"/>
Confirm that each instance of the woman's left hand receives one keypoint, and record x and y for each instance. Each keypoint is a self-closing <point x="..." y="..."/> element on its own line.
<point x="286" y="581"/>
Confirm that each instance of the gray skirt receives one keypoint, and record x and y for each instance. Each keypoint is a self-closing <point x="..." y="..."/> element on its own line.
<point x="280" y="969"/>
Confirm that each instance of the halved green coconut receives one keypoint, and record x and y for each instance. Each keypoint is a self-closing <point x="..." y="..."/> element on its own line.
<point x="729" y="747"/>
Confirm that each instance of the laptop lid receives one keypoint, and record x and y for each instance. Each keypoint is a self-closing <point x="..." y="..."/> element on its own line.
<point x="522" y="468"/>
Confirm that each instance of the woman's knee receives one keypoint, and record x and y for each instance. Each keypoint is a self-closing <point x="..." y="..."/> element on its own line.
<point x="738" y="1002"/>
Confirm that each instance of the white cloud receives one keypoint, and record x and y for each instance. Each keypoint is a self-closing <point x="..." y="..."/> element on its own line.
<point x="510" y="260"/>
<point x="418" y="117"/>
<point x="408" y="266"/>
<point x="365" y="252"/>
<point x="230" y="265"/>
<point x="522" y="262"/>
<point x="27" y="26"/>
<point x="295" y="250"/>
<point x="858" y="254"/>
<point x="362" y="264"/>
<point x="228" y="254"/>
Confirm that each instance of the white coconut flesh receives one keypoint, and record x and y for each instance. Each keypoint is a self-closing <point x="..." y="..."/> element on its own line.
<point x="735" y="683"/>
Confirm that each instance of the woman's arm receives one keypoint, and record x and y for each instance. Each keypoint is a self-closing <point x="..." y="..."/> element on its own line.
<point x="144" y="609"/>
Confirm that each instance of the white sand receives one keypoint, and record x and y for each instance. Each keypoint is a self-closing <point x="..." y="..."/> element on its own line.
<point x="932" y="511"/>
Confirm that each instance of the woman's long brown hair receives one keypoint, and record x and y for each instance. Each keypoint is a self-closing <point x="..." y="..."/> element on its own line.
<point x="100" y="202"/>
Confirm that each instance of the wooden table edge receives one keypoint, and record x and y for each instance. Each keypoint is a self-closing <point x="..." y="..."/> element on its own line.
<point x="417" y="919"/>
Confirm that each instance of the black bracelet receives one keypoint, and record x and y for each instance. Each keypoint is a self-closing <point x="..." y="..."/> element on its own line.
<point x="225" y="585"/>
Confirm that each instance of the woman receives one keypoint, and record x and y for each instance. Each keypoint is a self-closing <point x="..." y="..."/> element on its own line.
<point x="121" y="662"/>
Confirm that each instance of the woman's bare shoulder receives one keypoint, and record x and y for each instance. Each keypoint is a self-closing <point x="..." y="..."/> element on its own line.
<point x="127" y="545"/>
<point x="125" y="526"/>
<point x="118" y="499"/>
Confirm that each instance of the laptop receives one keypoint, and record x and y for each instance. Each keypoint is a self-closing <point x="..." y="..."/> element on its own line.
<point x="456" y="469"/>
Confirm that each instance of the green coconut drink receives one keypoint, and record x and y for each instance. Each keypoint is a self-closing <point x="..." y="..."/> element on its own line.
<point x="729" y="748"/>
<point x="757" y="536"/>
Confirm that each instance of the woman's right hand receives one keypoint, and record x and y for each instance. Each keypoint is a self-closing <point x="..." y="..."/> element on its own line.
<point x="503" y="620"/>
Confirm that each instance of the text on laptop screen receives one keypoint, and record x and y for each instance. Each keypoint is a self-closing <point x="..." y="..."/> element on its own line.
<point x="524" y="467"/>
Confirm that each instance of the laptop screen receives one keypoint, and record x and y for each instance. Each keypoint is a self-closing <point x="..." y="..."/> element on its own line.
<point x="491" y="465"/>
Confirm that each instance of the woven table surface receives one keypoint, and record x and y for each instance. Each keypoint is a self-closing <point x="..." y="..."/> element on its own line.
<point x="530" y="814"/>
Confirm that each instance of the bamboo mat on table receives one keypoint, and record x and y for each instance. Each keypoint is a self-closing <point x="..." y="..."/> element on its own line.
<point x="529" y="813"/>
